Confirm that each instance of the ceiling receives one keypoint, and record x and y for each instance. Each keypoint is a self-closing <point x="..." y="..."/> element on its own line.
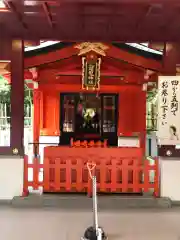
<point x="91" y="20"/>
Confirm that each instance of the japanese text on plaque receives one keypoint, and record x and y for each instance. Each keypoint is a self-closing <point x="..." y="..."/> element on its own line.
<point x="164" y="97"/>
<point x="174" y="101"/>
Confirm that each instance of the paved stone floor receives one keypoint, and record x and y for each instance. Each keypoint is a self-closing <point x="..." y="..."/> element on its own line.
<point x="56" y="224"/>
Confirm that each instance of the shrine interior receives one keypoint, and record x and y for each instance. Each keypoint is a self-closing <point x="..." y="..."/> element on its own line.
<point x="88" y="116"/>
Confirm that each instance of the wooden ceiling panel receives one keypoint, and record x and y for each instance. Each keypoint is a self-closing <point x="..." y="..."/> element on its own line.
<point x="81" y="20"/>
<point x="33" y="8"/>
<point x="30" y="19"/>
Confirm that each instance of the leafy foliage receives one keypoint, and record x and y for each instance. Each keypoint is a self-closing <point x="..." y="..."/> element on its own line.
<point x="5" y="95"/>
<point x="151" y="95"/>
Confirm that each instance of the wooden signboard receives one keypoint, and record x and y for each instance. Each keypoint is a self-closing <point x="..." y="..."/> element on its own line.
<point x="91" y="73"/>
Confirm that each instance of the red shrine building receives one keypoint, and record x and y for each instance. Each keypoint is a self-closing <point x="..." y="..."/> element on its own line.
<point x="89" y="103"/>
<point x="113" y="96"/>
<point x="89" y="107"/>
<point x="89" y="96"/>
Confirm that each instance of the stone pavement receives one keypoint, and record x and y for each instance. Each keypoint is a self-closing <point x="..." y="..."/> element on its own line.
<point x="58" y="224"/>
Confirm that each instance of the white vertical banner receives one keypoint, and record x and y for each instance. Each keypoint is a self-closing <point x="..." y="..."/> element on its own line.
<point x="169" y="110"/>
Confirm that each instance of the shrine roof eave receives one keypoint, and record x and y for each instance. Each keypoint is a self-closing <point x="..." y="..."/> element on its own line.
<point x="144" y="59"/>
<point x="124" y="46"/>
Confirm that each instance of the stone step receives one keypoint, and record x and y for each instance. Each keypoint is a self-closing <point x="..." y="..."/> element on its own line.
<point x="74" y="202"/>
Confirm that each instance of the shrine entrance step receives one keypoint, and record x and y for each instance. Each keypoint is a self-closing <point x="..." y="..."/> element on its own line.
<point x="80" y="202"/>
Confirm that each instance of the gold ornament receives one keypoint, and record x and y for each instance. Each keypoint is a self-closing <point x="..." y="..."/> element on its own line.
<point x="96" y="47"/>
<point x="15" y="151"/>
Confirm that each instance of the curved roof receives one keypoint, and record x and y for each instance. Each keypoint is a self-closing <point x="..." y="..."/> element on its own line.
<point x="138" y="48"/>
<point x="141" y="46"/>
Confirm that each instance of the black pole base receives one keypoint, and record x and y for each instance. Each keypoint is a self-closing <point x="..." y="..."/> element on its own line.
<point x="90" y="234"/>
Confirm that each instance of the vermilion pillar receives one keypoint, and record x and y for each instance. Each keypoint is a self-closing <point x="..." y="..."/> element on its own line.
<point x="17" y="97"/>
<point x="36" y="117"/>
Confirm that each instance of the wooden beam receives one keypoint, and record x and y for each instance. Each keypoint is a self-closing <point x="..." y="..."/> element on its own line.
<point x="5" y="48"/>
<point x="17" y="96"/>
<point x="143" y="17"/>
<point x="171" y="59"/>
<point x="12" y="7"/>
<point x="134" y="59"/>
<point x="79" y="73"/>
<point x="119" y="1"/>
<point x="78" y="88"/>
<point x="47" y="13"/>
<point x="77" y="80"/>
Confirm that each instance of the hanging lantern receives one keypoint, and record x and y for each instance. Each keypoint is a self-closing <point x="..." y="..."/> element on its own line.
<point x="91" y="67"/>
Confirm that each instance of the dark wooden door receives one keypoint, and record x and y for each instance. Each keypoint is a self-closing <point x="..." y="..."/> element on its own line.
<point x="67" y="119"/>
<point x="109" y="118"/>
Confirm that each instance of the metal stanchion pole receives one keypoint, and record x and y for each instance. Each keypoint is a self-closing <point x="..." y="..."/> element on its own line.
<point x="94" y="196"/>
<point x="94" y="232"/>
<point x="95" y="212"/>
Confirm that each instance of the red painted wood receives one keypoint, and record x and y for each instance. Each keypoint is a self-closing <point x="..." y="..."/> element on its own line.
<point x="86" y="144"/>
<point x="17" y="96"/>
<point x="65" y="170"/>
<point x="75" y="63"/>
<point x="132" y="114"/>
<point x="26" y="183"/>
<point x="5" y="49"/>
<point x="78" y="88"/>
<point x="125" y="124"/>
<point x="131" y="100"/>
<point x="111" y="52"/>
<point x="46" y="177"/>
<point x="171" y="59"/>
<point x="50" y="115"/>
<point x="128" y="88"/>
<point x="37" y="119"/>
<point x="73" y="76"/>
<point x="35" y="183"/>
<point x="50" y="57"/>
<point x="78" y="80"/>
<point x="134" y="59"/>
<point x="6" y="151"/>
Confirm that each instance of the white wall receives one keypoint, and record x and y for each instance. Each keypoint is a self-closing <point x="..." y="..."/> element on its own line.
<point x="128" y="142"/>
<point x="5" y="137"/>
<point x="170" y="178"/>
<point x="45" y="142"/>
<point x="11" y="177"/>
<point x="153" y="140"/>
